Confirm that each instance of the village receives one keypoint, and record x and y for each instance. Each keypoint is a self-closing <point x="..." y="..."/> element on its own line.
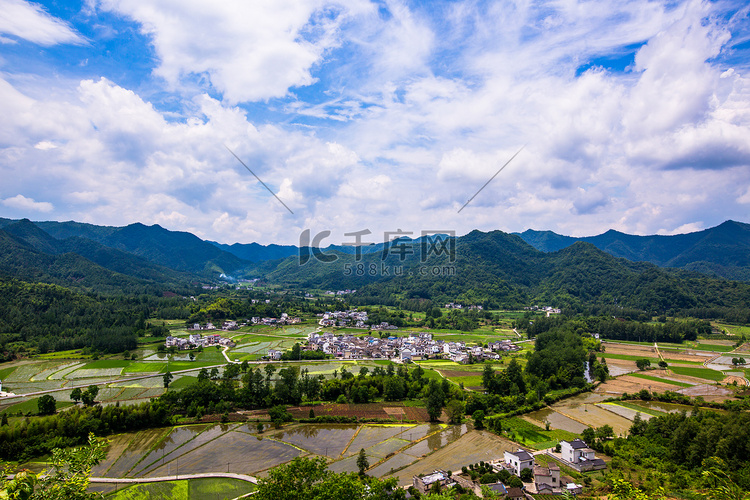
<point x="517" y="475"/>
<point x="411" y="347"/>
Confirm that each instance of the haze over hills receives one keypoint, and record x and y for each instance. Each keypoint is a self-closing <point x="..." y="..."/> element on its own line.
<point x="491" y="268"/>
<point x="722" y="251"/>
<point x="497" y="269"/>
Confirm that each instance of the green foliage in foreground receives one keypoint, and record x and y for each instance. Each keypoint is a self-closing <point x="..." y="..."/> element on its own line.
<point x="186" y="489"/>
<point x="310" y="479"/>
<point x="68" y="479"/>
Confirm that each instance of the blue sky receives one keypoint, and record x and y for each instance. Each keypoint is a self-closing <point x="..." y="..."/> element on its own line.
<point x="379" y="115"/>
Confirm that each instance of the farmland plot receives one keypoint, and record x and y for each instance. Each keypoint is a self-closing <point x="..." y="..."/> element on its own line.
<point x="141" y="442"/>
<point x="371" y="435"/>
<point x="469" y="448"/>
<point x="234" y="451"/>
<point x="61" y="374"/>
<point x="201" y="439"/>
<point x="176" y="438"/>
<point x="320" y="439"/>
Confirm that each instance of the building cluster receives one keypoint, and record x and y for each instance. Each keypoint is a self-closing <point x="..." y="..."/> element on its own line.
<point x="352" y="318"/>
<point x="197" y="340"/>
<point x="415" y="346"/>
<point x="340" y="292"/>
<point x="546" y="480"/>
<point x="226" y="326"/>
<point x="285" y="319"/>
<point x="547" y="309"/>
<point x="453" y="305"/>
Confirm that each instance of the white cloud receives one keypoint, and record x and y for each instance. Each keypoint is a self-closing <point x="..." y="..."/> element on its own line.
<point x="249" y="50"/>
<point x="20" y="202"/>
<point x="45" y="145"/>
<point x="31" y="22"/>
<point x="419" y="109"/>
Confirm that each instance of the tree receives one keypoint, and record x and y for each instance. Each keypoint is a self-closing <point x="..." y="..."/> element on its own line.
<point x="75" y="394"/>
<point x="46" y="405"/>
<point x="663" y="364"/>
<point x="527" y="475"/>
<point x="310" y="479"/>
<point x="643" y="363"/>
<point x="478" y="417"/>
<point x="455" y="411"/>
<point x="89" y="395"/>
<point x="435" y="400"/>
<point x="168" y="378"/>
<point x="4" y="421"/>
<point x="191" y="356"/>
<point x="605" y="432"/>
<point x="588" y="435"/>
<point x="68" y="479"/>
<point x="362" y="463"/>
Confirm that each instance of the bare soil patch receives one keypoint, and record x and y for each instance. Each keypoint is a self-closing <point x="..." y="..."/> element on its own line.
<point x="631" y="385"/>
<point x="709" y="392"/>
<point x="369" y="410"/>
<point x="468" y="449"/>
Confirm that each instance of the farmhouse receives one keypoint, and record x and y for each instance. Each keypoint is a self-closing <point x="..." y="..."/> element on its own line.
<point x="519" y="460"/>
<point x="547" y="479"/>
<point x="424" y="483"/>
<point x="578" y="452"/>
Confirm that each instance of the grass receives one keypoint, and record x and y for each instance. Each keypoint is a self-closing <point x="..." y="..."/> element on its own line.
<point x="703" y="373"/>
<point x="183" y="381"/>
<point x="715" y="347"/>
<point x="468" y="381"/>
<point x="659" y="379"/>
<point x="32" y="406"/>
<point x="107" y="363"/>
<point x="145" y="367"/>
<point x="6" y="371"/>
<point x="534" y="436"/>
<point x="642" y="409"/>
<point x="654" y="361"/>
<point x="71" y="354"/>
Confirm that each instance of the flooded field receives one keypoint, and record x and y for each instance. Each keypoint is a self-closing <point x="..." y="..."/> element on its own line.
<point x="239" y="448"/>
<point x="576" y="413"/>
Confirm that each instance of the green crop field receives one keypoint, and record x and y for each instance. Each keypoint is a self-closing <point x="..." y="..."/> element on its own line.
<point x="32" y="405"/>
<point x="659" y="379"/>
<point x="703" y="373"/>
<point x="6" y="371"/>
<point x="183" y="381"/>
<point x="145" y="367"/>
<point x="534" y="436"/>
<point x="639" y="408"/>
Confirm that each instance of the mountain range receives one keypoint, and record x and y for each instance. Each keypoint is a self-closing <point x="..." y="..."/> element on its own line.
<point x="487" y="267"/>
<point x="722" y="251"/>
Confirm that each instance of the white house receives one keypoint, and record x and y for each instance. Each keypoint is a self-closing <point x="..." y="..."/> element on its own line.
<point x="576" y="451"/>
<point x="519" y="460"/>
<point x="274" y="354"/>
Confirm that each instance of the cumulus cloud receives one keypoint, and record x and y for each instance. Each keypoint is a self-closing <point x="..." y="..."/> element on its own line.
<point x="418" y="109"/>
<point x="20" y="202"/>
<point x="29" y="21"/>
<point x="249" y="50"/>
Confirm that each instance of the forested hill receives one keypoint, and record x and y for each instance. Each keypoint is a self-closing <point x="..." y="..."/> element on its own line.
<point x="30" y="254"/>
<point x="722" y="251"/>
<point x="176" y="250"/>
<point x="500" y="269"/>
<point x="52" y="317"/>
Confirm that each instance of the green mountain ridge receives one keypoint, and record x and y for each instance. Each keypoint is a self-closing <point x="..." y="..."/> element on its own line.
<point x="722" y="251"/>
<point x="30" y="254"/>
<point x="497" y="269"/>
